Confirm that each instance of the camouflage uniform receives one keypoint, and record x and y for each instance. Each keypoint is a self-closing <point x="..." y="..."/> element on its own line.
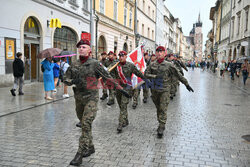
<point x="163" y="73"/>
<point x="83" y="76"/>
<point x="128" y="69"/>
<point x="104" y="91"/>
<point x="107" y="63"/>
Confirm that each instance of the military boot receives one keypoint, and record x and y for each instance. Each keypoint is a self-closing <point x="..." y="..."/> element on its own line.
<point x="92" y="149"/>
<point x="111" y="102"/>
<point x="77" y="160"/>
<point x="13" y="92"/>
<point x="104" y="96"/>
<point x="79" y="125"/>
<point x="134" y="105"/>
<point x="119" y="128"/>
<point x="125" y="124"/>
<point x="160" y="130"/>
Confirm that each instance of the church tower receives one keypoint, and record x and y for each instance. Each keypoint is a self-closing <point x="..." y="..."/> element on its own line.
<point x="198" y="39"/>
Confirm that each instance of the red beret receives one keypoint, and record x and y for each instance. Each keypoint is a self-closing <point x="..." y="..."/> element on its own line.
<point x="145" y="54"/>
<point x="110" y="52"/>
<point x="122" y="53"/>
<point x="153" y="55"/>
<point x="160" y="48"/>
<point x="83" y="42"/>
<point x="103" y="53"/>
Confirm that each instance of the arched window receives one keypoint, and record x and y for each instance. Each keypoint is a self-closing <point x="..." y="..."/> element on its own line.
<point x="31" y="26"/>
<point x="125" y="47"/>
<point x="102" y="44"/>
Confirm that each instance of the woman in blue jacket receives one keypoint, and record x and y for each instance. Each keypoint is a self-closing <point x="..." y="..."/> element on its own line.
<point x="48" y="77"/>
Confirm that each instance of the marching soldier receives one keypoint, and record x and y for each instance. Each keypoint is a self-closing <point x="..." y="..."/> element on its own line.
<point x="124" y="72"/>
<point x="146" y="89"/>
<point x="161" y="72"/>
<point x="107" y="63"/>
<point x="83" y="74"/>
<point x="104" y="90"/>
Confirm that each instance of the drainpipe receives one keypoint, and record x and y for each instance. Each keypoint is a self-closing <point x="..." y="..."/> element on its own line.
<point x="96" y="31"/>
<point x="91" y="23"/>
<point x="230" y="23"/>
<point x="135" y="24"/>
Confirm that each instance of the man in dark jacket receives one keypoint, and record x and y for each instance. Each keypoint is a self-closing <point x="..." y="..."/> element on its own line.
<point x="233" y="69"/>
<point x="18" y="70"/>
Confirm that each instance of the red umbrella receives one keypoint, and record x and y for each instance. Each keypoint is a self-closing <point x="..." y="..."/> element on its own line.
<point x="50" y="52"/>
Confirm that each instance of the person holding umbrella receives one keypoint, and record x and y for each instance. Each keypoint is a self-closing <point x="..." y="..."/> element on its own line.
<point x="48" y="77"/>
<point x="47" y="69"/>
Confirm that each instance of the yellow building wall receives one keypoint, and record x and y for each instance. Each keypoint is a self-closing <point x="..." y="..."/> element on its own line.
<point x="109" y="11"/>
<point x="218" y="24"/>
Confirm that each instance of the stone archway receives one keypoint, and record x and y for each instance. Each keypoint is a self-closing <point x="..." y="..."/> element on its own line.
<point x="31" y="34"/>
<point x="242" y="51"/>
<point x="125" y="47"/>
<point x="234" y="54"/>
<point x="65" y="38"/>
<point x="230" y="55"/>
<point x="102" y="46"/>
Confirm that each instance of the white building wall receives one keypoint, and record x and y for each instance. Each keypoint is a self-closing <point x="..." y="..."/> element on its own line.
<point x="15" y="12"/>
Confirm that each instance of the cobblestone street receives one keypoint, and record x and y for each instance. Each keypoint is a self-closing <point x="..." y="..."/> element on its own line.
<point x="203" y="128"/>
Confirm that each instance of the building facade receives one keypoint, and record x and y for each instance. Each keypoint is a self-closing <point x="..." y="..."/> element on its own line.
<point x="223" y="48"/>
<point x="115" y="25"/>
<point x="146" y="19"/>
<point x="27" y="30"/>
<point x="239" y="40"/>
<point x="162" y="27"/>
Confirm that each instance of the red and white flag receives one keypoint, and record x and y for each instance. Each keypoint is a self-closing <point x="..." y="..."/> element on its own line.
<point x="136" y="57"/>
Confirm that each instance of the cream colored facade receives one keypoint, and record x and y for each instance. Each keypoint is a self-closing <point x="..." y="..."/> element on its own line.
<point x="115" y="25"/>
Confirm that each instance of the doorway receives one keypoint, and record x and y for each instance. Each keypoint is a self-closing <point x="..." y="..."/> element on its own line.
<point x="31" y="62"/>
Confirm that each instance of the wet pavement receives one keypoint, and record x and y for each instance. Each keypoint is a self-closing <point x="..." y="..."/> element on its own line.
<point x="204" y="128"/>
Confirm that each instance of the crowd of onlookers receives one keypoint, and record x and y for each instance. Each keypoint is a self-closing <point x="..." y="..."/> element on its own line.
<point x="233" y="67"/>
<point x="53" y="70"/>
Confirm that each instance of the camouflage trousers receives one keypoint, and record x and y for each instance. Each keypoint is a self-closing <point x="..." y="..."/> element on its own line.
<point x="135" y="93"/>
<point x="123" y="103"/>
<point x="174" y="85"/>
<point x="86" y="112"/>
<point x="111" y="94"/>
<point x="161" y="101"/>
<point x="145" y="93"/>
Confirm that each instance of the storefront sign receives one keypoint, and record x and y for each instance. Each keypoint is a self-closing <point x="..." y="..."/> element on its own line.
<point x="10" y="47"/>
<point x="86" y="35"/>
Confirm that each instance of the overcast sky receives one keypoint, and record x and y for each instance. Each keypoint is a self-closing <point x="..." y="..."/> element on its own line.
<point x="188" y="10"/>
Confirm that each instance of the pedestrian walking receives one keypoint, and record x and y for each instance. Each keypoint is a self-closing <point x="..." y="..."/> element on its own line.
<point x="56" y="70"/>
<point x="63" y="68"/>
<point x="48" y="77"/>
<point x="18" y="71"/>
<point x="232" y="68"/>
<point x="245" y="71"/>
<point x="222" y="68"/>
<point x="83" y="74"/>
<point x="161" y="72"/>
<point x="124" y="73"/>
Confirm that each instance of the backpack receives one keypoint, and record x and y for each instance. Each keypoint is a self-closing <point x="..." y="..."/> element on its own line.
<point x="61" y="72"/>
<point x="42" y="68"/>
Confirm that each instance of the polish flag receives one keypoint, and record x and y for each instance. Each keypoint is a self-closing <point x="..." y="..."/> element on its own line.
<point x="136" y="57"/>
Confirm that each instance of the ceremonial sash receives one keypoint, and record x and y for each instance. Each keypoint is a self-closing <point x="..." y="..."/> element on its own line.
<point x="121" y="75"/>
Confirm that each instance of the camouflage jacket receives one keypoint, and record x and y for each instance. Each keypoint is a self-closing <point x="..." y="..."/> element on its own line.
<point x="108" y="62"/>
<point x="85" y="77"/>
<point x="166" y="70"/>
<point x="127" y="69"/>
